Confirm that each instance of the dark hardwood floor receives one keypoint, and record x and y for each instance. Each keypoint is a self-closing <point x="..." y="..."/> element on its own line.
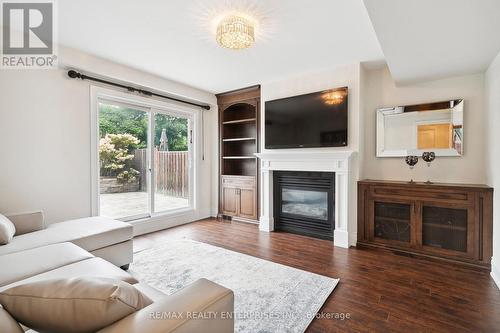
<point x="382" y="291"/>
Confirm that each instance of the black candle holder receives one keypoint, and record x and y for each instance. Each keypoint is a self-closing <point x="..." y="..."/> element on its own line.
<point x="428" y="157"/>
<point x="411" y="160"/>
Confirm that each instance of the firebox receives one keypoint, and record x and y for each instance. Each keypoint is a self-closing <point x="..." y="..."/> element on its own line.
<point x="304" y="203"/>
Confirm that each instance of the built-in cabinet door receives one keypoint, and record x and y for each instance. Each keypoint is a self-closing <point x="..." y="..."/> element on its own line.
<point x="393" y="222"/>
<point x="447" y="229"/>
<point x="238" y="197"/>
<point x="248" y="206"/>
<point x="230" y="200"/>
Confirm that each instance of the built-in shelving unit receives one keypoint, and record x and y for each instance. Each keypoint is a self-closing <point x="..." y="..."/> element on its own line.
<point x="239" y="141"/>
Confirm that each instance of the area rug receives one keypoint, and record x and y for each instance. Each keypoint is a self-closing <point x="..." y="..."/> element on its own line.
<point x="269" y="297"/>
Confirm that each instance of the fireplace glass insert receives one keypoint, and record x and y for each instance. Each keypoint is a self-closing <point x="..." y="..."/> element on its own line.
<point x="307" y="203"/>
<point x="304" y="203"/>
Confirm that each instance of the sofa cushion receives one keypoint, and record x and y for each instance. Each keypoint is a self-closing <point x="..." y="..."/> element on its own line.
<point x="21" y="265"/>
<point x="8" y="324"/>
<point x="27" y="222"/>
<point x="201" y="296"/>
<point x="93" y="267"/>
<point x="72" y="305"/>
<point x="7" y="230"/>
<point x="118" y="254"/>
<point x="90" y="233"/>
<point x="149" y="291"/>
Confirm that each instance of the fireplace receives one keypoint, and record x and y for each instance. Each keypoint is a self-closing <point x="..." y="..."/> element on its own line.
<point x="341" y="164"/>
<point x="304" y="203"/>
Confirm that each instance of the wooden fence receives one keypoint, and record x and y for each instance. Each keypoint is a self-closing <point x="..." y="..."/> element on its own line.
<point x="171" y="171"/>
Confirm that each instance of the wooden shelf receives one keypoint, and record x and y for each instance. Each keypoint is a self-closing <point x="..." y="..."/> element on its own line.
<point x="392" y="219"/>
<point x="239" y="121"/>
<point x="238" y="157"/>
<point x="445" y="226"/>
<point x="239" y="176"/>
<point x="238" y="139"/>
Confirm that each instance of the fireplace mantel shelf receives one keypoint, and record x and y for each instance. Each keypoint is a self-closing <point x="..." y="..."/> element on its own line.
<point x="301" y="155"/>
<point x="339" y="162"/>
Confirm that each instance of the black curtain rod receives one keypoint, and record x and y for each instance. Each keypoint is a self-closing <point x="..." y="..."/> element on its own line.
<point x="75" y="75"/>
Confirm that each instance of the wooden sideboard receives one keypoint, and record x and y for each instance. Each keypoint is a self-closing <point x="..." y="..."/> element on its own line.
<point x="451" y="222"/>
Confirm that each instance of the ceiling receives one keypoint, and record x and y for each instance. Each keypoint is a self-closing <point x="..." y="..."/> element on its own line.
<point x="419" y="39"/>
<point x="174" y="39"/>
<point x="433" y="39"/>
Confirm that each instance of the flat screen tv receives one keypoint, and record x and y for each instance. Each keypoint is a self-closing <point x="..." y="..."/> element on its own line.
<point x="312" y="120"/>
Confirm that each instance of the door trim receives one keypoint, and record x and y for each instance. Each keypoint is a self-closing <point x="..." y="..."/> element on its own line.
<point x="151" y="106"/>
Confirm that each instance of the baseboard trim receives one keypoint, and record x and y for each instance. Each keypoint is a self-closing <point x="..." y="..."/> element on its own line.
<point x="161" y="222"/>
<point x="214" y="212"/>
<point x="353" y="238"/>
<point x="495" y="272"/>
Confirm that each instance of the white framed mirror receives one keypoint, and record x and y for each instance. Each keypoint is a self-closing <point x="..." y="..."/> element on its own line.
<point x="414" y="129"/>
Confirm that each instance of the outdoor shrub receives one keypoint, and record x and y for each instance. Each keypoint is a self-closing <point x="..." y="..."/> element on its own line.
<point x="115" y="155"/>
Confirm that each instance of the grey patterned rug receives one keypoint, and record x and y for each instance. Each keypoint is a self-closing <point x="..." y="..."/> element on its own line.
<point x="269" y="297"/>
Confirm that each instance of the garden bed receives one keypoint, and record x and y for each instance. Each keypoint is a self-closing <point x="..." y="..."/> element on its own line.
<point x="111" y="185"/>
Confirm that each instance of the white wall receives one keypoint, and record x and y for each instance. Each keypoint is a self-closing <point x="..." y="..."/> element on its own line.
<point x="45" y="135"/>
<point x="493" y="156"/>
<point x="381" y="91"/>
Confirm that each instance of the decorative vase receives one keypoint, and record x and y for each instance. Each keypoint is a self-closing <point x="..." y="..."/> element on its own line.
<point x="428" y="157"/>
<point x="411" y="160"/>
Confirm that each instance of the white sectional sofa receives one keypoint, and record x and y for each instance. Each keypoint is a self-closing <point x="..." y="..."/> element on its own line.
<point x="95" y="247"/>
<point x="105" y="238"/>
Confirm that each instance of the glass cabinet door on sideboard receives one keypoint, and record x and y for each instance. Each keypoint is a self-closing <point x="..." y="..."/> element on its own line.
<point x="393" y="221"/>
<point x="447" y="229"/>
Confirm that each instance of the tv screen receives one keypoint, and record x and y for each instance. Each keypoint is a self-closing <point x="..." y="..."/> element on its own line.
<point x="312" y="120"/>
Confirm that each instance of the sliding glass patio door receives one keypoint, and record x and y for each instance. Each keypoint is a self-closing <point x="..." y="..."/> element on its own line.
<point x="145" y="160"/>
<point x="171" y="162"/>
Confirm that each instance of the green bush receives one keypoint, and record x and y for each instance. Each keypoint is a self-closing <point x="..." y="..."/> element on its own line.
<point x="115" y="155"/>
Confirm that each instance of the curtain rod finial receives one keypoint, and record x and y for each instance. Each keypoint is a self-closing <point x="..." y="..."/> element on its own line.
<point x="74" y="74"/>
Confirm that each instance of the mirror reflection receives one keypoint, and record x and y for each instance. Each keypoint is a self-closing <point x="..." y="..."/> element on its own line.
<point x="414" y="129"/>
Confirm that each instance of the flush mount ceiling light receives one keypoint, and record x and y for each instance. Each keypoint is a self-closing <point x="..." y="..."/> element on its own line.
<point x="235" y="32"/>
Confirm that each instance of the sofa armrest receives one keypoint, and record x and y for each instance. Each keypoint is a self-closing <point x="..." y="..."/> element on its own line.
<point x="27" y="222"/>
<point x="203" y="306"/>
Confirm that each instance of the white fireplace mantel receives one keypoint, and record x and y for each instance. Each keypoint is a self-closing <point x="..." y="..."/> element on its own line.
<point x="341" y="162"/>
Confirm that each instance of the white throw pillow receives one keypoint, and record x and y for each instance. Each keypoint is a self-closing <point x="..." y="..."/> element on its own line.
<point x="76" y="305"/>
<point x="7" y="230"/>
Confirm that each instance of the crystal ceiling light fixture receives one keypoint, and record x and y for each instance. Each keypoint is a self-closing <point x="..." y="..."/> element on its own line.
<point x="235" y="32"/>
